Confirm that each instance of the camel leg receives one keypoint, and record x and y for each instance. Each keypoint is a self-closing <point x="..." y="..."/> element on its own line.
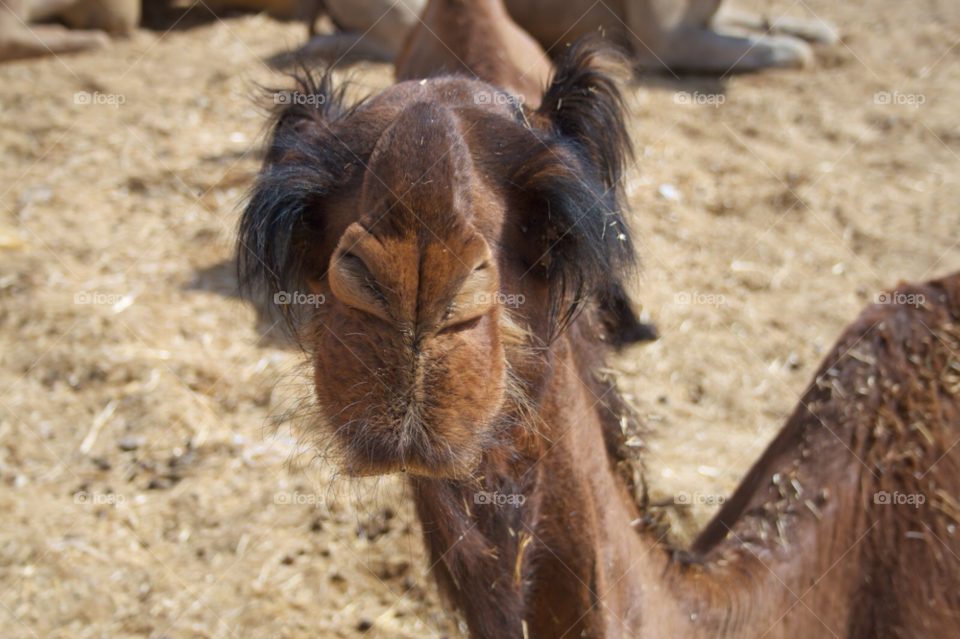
<point x="42" y="40"/>
<point x="17" y="40"/>
<point x="692" y="49"/>
<point x="692" y="45"/>
<point x="815" y="31"/>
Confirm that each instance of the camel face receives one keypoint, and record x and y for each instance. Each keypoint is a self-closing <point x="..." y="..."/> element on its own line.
<point x="411" y="371"/>
<point x="438" y="230"/>
<point x="399" y="245"/>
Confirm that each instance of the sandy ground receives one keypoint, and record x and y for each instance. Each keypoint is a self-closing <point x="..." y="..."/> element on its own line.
<point x="137" y="456"/>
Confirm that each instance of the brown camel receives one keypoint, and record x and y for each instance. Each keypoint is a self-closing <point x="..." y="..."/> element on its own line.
<point x="462" y="249"/>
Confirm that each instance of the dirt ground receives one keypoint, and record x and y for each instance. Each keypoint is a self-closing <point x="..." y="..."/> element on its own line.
<point x="138" y="463"/>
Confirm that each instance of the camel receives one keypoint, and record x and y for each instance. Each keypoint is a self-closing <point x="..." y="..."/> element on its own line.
<point x="666" y="35"/>
<point x="88" y="23"/>
<point x="366" y="29"/>
<point x="695" y="35"/>
<point x="463" y="249"/>
<point x="448" y="33"/>
<point x="418" y="215"/>
<point x="663" y="35"/>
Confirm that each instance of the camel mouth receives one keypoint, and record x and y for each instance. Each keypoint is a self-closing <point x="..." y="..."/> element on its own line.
<point x="396" y="450"/>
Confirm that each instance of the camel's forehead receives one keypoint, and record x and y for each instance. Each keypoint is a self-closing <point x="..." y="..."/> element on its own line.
<point x="426" y="130"/>
<point x="425" y="138"/>
<point x="420" y="175"/>
<point x="456" y="92"/>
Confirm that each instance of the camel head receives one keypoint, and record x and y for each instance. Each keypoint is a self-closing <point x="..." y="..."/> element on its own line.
<point x="420" y="241"/>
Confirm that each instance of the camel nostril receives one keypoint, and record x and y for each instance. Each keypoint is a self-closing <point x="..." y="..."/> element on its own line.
<point x="354" y="283"/>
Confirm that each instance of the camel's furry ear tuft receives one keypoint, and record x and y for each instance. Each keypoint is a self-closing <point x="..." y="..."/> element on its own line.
<point x="585" y="105"/>
<point x="302" y="166"/>
<point x="581" y="236"/>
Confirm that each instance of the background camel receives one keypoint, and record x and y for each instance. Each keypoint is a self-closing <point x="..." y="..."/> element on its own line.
<point x="371" y="29"/>
<point x="363" y="29"/>
<point x="87" y="24"/>
<point x="477" y="39"/>
<point x="693" y="35"/>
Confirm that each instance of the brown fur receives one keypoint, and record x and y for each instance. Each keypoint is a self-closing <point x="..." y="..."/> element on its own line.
<point x="478" y="38"/>
<point x="408" y="210"/>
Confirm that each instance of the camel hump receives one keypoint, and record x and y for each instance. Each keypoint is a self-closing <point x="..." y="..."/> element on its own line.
<point x="884" y="405"/>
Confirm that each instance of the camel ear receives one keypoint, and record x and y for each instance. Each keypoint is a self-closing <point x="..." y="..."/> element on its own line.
<point x="285" y="211"/>
<point x="580" y="236"/>
<point x="586" y="107"/>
